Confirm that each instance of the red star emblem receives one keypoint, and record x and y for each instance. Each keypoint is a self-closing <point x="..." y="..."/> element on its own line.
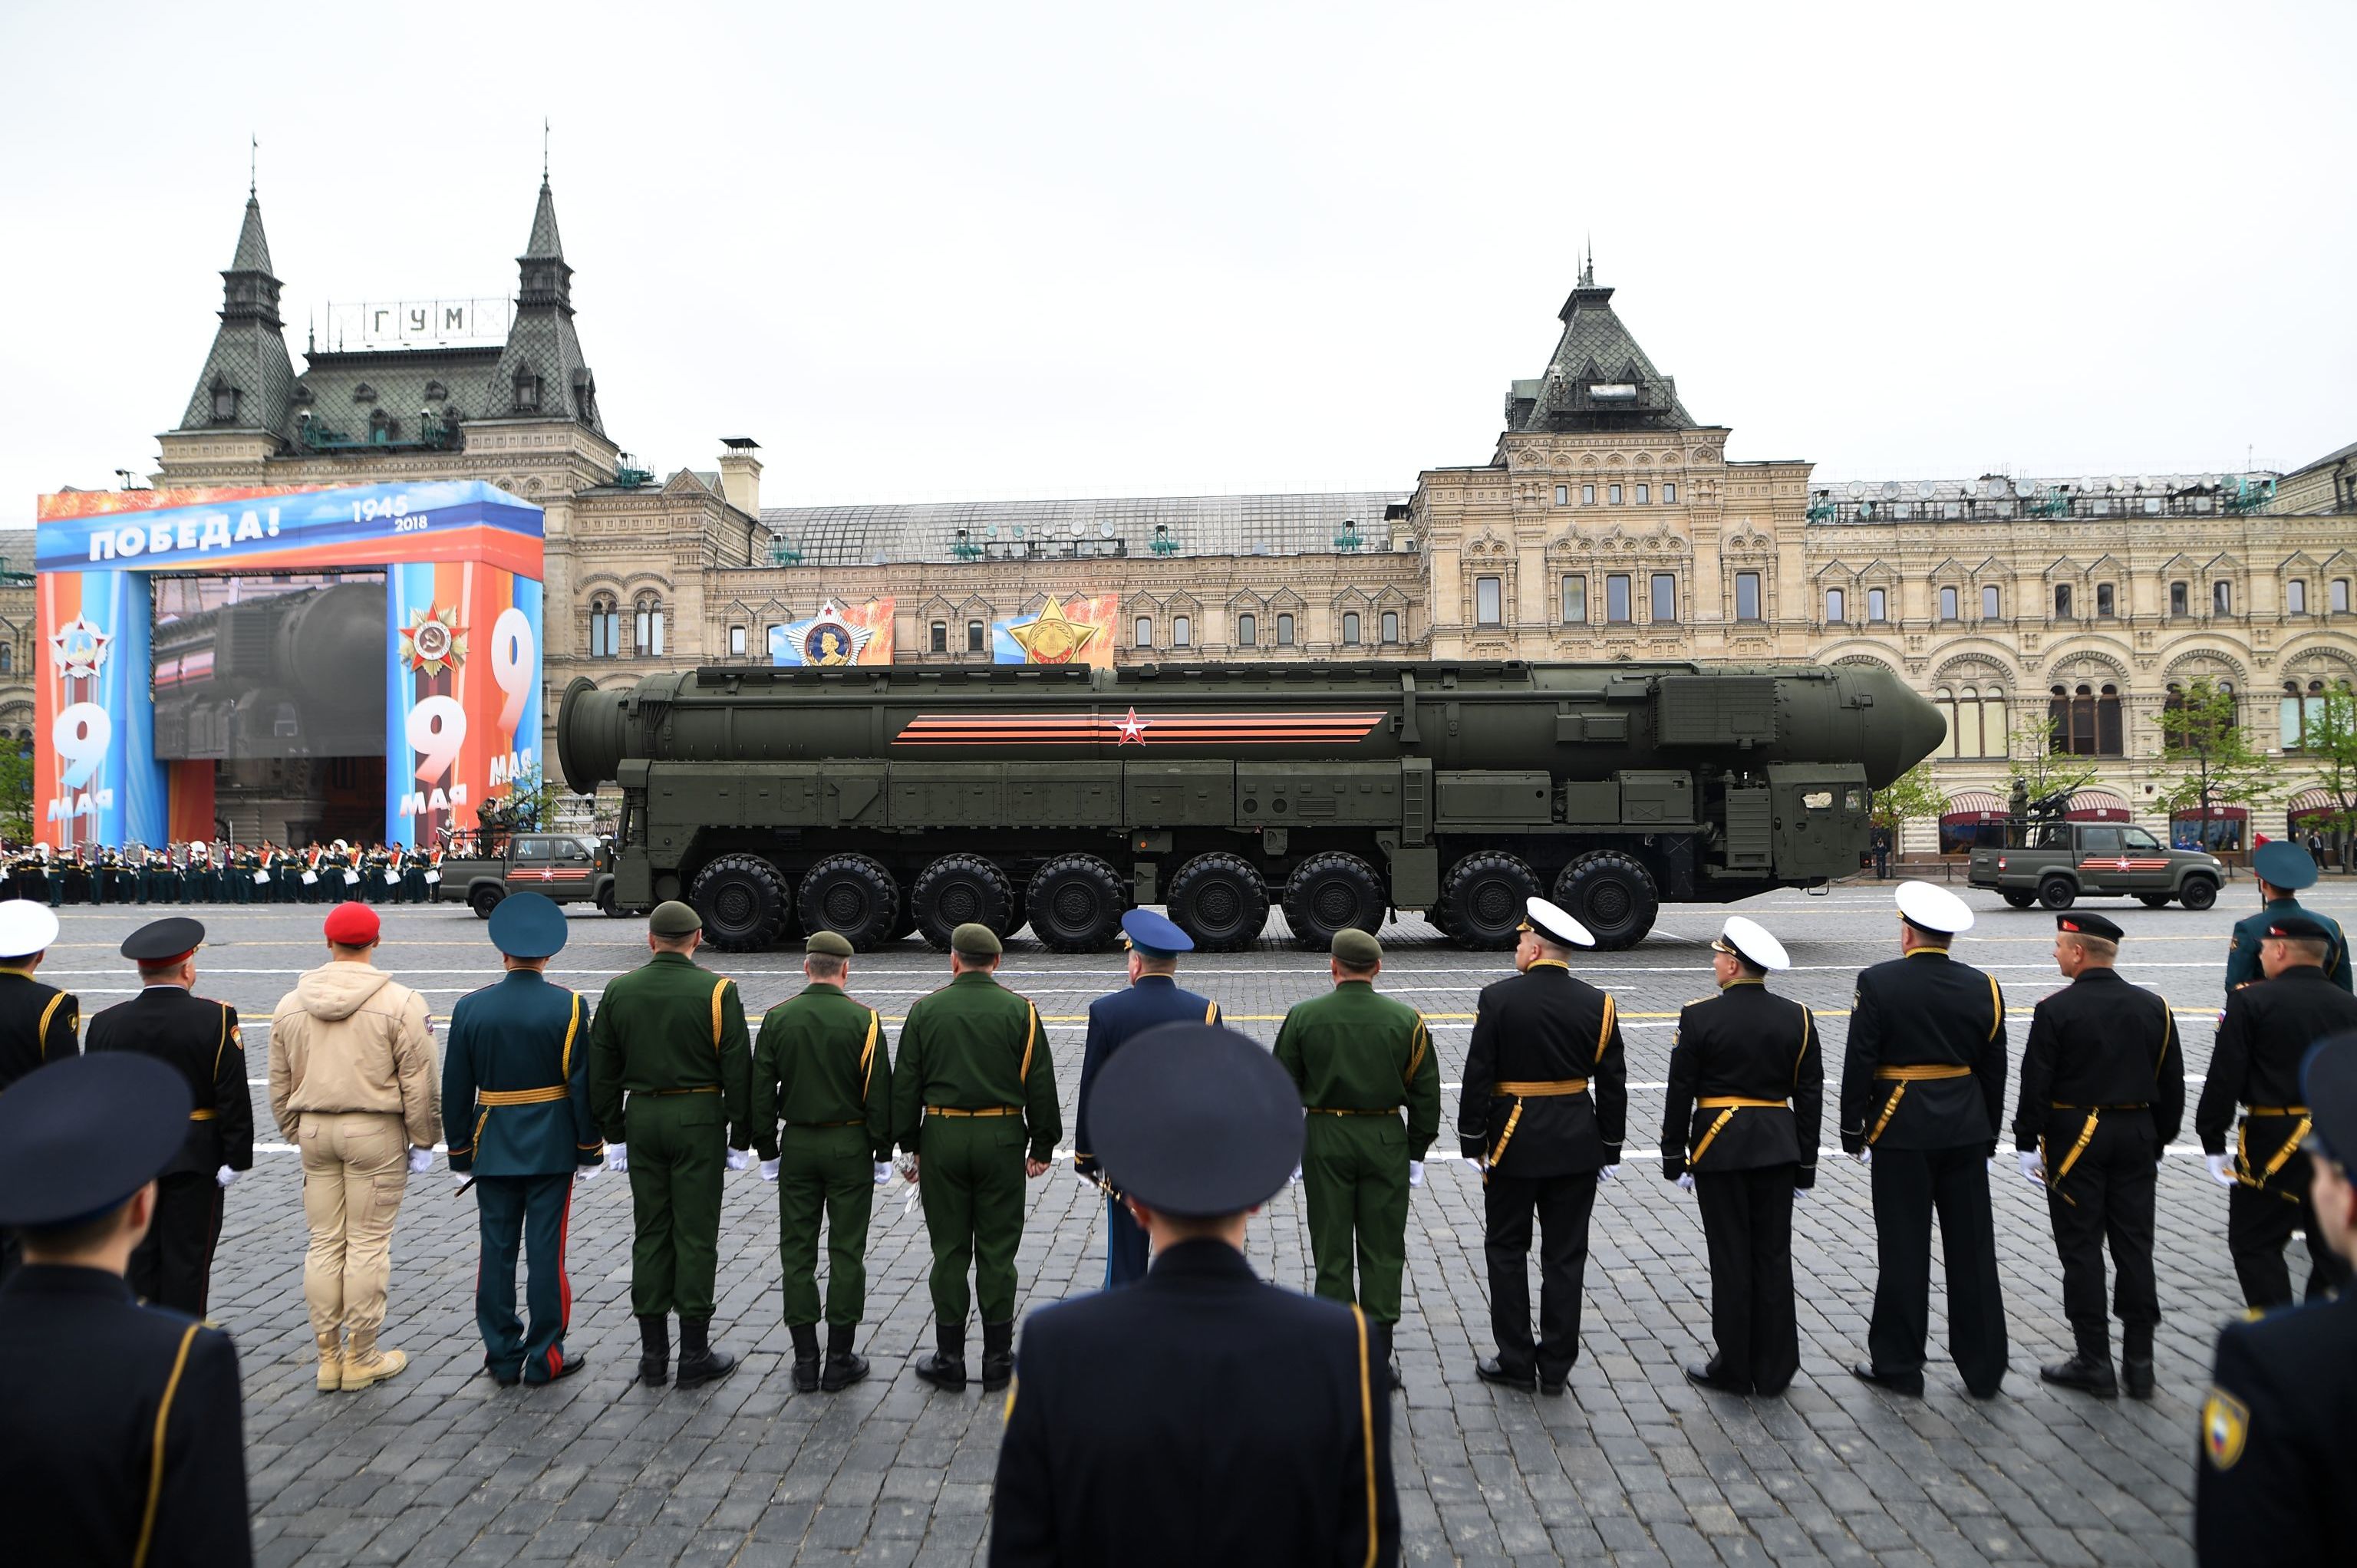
<point x="548" y="876"/>
<point x="2123" y="865"/>
<point x="1133" y="728"/>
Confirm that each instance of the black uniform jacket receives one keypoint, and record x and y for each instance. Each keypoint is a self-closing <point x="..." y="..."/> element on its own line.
<point x="1545" y="1026"/>
<point x="84" y="1372"/>
<point x="2256" y="1060"/>
<point x="38" y="1025"/>
<point x="1199" y="1416"/>
<point x="2100" y="1042"/>
<point x="199" y="1038"/>
<point x="1152" y="1001"/>
<point x="1924" y="1009"/>
<point x="2279" y="1441"/>
<point x="1746" y="1043"/>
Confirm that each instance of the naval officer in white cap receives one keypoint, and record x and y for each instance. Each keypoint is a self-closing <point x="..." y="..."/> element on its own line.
<point x="1923" y="1098"/>
<point x="39" y="1024"/>
<point x="1739" y="1131"/>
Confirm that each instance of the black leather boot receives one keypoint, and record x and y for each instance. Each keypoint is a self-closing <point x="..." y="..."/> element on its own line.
<point x="2136" y="1360"/>
<point x="998" y="1355"/>
<point x="699" y="1363"/>
<point x="945" y="1368"/>
<point x="843" y="1368"/>
<point x="1379" y="1351"/>
<point x="654" y="1349"/>
<point x="2089" y="1369"/>
<point x="805" y="1355"/>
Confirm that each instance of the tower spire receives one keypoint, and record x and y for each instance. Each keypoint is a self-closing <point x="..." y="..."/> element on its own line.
<point x="1588" y="267"/>
<point x="543" y="149"/>
<point x="252" y="165"/>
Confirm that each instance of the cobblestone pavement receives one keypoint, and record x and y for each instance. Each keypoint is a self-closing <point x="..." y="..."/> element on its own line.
<point x="1635" y="1467"/>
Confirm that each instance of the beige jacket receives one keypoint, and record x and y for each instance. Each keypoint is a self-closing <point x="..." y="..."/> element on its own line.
<point x="351" y="1037"/>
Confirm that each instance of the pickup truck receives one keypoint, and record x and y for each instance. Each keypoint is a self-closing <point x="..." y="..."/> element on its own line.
<point x="2063" y="862"/>
<point x="567" y="867"/>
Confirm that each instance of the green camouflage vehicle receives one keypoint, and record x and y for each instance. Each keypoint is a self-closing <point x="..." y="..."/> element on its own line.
<point x="2053" y="863"/>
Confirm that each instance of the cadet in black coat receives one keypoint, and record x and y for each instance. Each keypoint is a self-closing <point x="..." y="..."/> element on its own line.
<point x="2254" y="1063"/>
<point x="2102" y="1092"/>
<point x="1922" y="1098"/>
<point x="39" y="1024"/>
<point x="2277" y="1479"/>
<point x="198" y="1037"/>
<point x="120" y="1441"/>
<point x="1200" y="1415"/>
<point x="1746" y="1096"/>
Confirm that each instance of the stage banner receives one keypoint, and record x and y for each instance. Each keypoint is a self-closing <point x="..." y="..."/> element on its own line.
<point x="1079" y="630"/>
<point x="247" y="530"/>
<point x="858" y="635"/>
<point x="95" y="777"/>
<point x="462" y="705"/>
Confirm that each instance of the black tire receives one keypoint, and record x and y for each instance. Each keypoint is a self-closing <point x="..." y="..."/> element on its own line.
<point x="485" y="899"/>
<point x="1075" y="903"/>
<point x="1330" y="893"/>
<point x="1219" y="900"/>
<point x="743" y="899"/>
<point x="2056" y="893"/>
<point x="957" y="890"/>
<point x="2153" y="900"/>
<point x="906" y="920"/>
<point x="2199" y="893"/>
<point x="2018" y="899"/>
<point x="1612" y="895"/>
<point x="851" y="895"/>
<point x="1482" y="898"/>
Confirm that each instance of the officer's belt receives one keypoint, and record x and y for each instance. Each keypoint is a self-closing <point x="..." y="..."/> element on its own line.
<point x="1540" y="1090"/>
<point x="202" y="1115"/>
<point x="1727" y="1105"/>
<point x="1352" y="1111"/>
<point x="2275" y="1110"/>
<point x="667" y="1093"/>
<point x="2086" y="1136"/>
<point x="2284" y="1150"/>
<point x="548" y="1096"/>
<point x="1902" y="1076"/>
<point x="855" y="1121"/>
<point x="953" y="1111"/>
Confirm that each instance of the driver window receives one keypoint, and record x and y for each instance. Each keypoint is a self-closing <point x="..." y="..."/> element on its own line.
<point x="531" y="849"/>
<point x="2139" y="839"/>
<point x="2053" y="836"/>
<point x="2101" y="840"/>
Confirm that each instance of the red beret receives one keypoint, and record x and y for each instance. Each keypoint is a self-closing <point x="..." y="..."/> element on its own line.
<point x="351" y="925"/>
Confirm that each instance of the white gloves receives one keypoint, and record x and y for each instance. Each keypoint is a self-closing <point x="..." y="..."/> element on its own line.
<point x="420" y="1161"/>
<point x="1864" y="1157"/>
<point x="2222" y="1168"/>
<point x="1605" y="1176"/>
<point x="1416" y="1172"/>
<point x="587" y="1173"/>
<point x="226" y="1176"/>
<point x="740" y="1159"/>
<point x="769" y="1170"/>
<point x="459" y="1180"/>
<point x="884" y="1173"/>
<point x="1294" y="1179"/>
<point x="2033" y="1166"/>
<point x="1685" y="1182"/>
<point x="618" y="1157"/>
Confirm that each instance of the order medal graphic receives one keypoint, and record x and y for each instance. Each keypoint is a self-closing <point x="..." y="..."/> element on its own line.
<point x="1053" y="638"/>
<point x="432" y="641"/>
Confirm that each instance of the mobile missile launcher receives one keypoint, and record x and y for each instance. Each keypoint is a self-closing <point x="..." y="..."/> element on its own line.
<point x="880" y="801"/>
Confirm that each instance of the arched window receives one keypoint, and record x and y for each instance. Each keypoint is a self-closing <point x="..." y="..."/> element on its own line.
<point x="1183" y="631"/>
<point x="1247" y="629"/>
<point x="1390" y="626"/>
<point x="2302" y="710"/>
<point x="1834" y="606"/>
<point x="1350" y="627"/>
<point x="1284" y="631"/>
<point x="1991" y="602"/>
<point x="1144" y="631"/>
<point x="1878" y="604"/>
<point x="7" y="657"/>
<point x="647" y="626"/>
<point x="605" y="628"/>
<point x="1947" y="604"/>
<point x="940" y="639"/>
<point x="1976" y="721"/>
<point x="2061" y="601"/>
<point x="2086" y="720"/>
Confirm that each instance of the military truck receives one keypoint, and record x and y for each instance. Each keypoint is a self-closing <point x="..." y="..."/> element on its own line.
<point x="877" y="802"/>
<point x="2053" y="863"/>
<point x="567" y="867"/>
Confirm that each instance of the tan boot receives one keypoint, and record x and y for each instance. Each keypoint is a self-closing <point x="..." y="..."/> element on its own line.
<point x="331" y="1361"/>
<point x="364" y="1364"/>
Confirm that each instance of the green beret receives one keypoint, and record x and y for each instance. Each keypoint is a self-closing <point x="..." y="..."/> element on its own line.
<point x="828" y="944"/>
<point x="973" y="940"/>
<point x="1357" y="949"/>
<point x="673" y="918"/>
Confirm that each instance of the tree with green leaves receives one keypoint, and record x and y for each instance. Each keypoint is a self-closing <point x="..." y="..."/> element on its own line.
<point x="16" y="797"/>
<point x="1913" y="797"/>
<point x="2328" y="742"/>
<point x="2202" y="737"/>
<point x="2036" y="762"/>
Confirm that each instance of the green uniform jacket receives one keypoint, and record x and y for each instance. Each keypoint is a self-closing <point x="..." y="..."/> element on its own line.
<point x="822" y="1060"/>
<point x="971" y="1046"/>
<point x="670" y="1025"/>
<point x="515" y="1079"/>
<point x="1353" y="1049"/>
<point x="2242" y="953"/>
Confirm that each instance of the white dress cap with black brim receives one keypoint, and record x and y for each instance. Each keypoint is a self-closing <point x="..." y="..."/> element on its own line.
<point x="1931" y="908"/>
<point x="25" y="928"/>
<point x="1748" y="938"/>
<point x="1555" y="923"/>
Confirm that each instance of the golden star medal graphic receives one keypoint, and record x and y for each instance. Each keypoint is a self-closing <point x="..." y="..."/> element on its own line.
<point x="432" y="641"/>
<point x="1052" y="638"/>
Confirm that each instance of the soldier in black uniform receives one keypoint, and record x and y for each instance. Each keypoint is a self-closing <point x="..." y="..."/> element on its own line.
<point x="1198" y="1415"/>
<point x="2102" y="1092"/>
<point x="2254" y="1063"/>
<point x="173" y="1263"/>
<point x="120" y="1438"/>
<point x="2279" y="1428"/>
<point x="39" y="1024"/>
<point x="1746" y="1096"/>
<point x="1922" y="1098"/>
<point x="1544" y="1108"/>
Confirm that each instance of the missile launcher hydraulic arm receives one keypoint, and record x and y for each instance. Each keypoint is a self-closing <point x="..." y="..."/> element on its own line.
<point x="877" y="802"/>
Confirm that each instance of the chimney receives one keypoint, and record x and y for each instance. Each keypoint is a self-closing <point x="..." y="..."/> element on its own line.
<point x="740" y="474"/>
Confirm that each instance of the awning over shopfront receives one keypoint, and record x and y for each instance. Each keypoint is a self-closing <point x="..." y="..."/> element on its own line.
<point x="2097" y="806"/>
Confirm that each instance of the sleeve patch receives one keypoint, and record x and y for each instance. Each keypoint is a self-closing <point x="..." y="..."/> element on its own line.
<point x="2225" y="1428"/>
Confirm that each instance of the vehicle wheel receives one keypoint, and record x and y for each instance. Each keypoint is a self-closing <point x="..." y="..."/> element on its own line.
<point x="1219" y="900"/>
<point x="1075" y="902"/>
<point x="2153" y="900"/>
<point x="2199" y="893"/>
<point x="485" y="899"/>
<point x="1330" y="893"/>
<point x="2056" y="893"/>
<point x="1482" y="898"/>
<point x="851" y="895"/>
<point x="956" y="889"/>
<point x="606" y="905"/>
<point x="1612" y="895"/>
<point x="2018" y="899"/>
<point x="743" y="899"/>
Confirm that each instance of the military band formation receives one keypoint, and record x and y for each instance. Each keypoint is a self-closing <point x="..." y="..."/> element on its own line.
<point x="221" y="871"/>
<point x="1188" y="1128"/>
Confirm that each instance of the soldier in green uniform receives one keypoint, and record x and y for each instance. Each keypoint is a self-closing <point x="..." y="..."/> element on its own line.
<point x="2282" y="869"/>
<point x="670" y="1036"/>
<point x="823" y="1066"/>
<point x="972" y="1080"/>
<point x="1356" y="1058"/>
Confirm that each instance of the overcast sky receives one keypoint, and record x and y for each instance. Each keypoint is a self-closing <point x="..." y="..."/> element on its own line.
<point x="930" y="251"/>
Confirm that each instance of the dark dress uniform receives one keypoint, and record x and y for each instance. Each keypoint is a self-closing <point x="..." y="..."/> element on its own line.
<point x="1924" y="1087"/>
<point x="2103" y="1093"/>
<point x="39" y="1024"/>
<point x="2242" y="953"/>
<point x="1546" y="1105"/>
<point x="515" y="1100"/>
<point x="1154" y="999"/>
<point x="2277" y="1481"/>
<point x="1745" y="1097"/>
<point x="2254" y="1063"/>
<point x="173" y="1264"/>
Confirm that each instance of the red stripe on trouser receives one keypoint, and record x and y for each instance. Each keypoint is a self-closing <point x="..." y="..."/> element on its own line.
<point x="563" y="1284"/>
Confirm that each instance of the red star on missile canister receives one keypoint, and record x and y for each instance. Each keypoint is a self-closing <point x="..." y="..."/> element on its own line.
<point x="1133" y="728"/>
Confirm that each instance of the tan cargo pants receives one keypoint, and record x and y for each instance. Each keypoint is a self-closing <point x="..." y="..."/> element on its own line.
<point x="355" y="1164"/>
